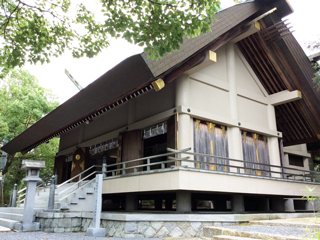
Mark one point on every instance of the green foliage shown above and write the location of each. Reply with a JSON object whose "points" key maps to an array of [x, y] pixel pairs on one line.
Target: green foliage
{"points": [[37, 30], [22, 103], [316, 77]]}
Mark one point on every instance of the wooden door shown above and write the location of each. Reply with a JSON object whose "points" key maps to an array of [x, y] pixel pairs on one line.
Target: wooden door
{"points": [[132, 148], [78, 163]]}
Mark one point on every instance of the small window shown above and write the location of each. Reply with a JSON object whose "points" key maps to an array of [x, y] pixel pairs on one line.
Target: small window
{"points": [[296, 160]]}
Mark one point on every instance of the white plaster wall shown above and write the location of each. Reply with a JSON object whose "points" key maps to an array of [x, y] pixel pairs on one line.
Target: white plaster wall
{"points": [[209, 93], [209, 99], [252, 114], [246, 80]]}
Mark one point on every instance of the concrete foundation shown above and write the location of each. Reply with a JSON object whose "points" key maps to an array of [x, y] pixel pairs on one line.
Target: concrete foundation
{"points": [[238, 204], [289, 205], [142, 225], [183, 201], [131, 202]]}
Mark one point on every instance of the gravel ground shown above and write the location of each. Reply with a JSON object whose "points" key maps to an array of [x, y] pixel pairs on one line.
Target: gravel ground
{"points": [[278, 230], [52, 236]]}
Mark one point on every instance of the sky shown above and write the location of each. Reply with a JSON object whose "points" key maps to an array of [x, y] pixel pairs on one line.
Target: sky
{"points": [[304, 21]]}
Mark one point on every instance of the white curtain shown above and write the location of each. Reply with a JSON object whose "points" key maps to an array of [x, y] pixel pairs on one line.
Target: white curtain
{"points": [[210, 139], [255, 151]]}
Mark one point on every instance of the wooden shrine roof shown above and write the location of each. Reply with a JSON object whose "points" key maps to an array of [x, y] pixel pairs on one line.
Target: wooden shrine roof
{"points": [[271, 63]]}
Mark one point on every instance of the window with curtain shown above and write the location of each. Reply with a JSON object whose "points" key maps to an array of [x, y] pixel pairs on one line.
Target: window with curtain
{"points": [[255, 153], [210, 140]]}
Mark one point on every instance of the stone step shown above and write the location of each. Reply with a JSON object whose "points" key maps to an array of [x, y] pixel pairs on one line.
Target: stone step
{"points": [[4, 229], [8, 223], [11, 210], [211, 231], [81, 196], [11, 216], [89, 190], [226, 237]]}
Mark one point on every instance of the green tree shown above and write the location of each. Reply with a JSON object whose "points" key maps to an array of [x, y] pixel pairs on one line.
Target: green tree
{"points": [[22, 103], [34, 31], [316, 78]]}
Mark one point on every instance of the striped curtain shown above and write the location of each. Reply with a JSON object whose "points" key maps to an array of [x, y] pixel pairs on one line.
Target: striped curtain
{"points": [[255, 151], [210, 139]]}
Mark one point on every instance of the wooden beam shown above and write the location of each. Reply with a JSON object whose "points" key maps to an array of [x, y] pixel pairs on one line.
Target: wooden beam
{"points": [[209, 58], [284, 97], [254, 27]]}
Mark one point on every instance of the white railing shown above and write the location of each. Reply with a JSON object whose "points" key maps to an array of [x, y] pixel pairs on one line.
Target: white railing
{"points": [[172, 160], [186, 159]]}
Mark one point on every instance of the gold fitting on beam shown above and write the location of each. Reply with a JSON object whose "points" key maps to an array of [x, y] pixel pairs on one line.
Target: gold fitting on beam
{"points": [[158, 84], [212, 56], [257, 26]]}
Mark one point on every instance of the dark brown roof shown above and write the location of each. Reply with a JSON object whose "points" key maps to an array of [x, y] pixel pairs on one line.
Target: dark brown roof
{"points": [[224, 21], [137, 72], [129, 75], [119, 81]]}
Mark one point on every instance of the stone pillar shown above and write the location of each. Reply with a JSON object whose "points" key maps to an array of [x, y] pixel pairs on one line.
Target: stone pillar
{"points": [[131, 202], [289, 205], [317, 204], [183, 201], [28, 213], [14, 196], [185, 122], [95, 230], [1, 185], [32, 178], [238, 203], [273, 143], [52, 193], [234, 133]]}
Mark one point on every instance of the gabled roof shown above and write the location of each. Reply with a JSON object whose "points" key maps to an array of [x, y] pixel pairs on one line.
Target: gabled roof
{"points": [[134, 75], [280, 64]]}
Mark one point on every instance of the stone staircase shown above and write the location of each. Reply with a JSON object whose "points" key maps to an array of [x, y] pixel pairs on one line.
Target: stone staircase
{"points": [[76, 197], [10, 217], [69, 196]]}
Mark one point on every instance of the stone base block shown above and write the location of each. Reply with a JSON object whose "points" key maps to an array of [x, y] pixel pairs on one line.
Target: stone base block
{"points": [[30, 227], [96, 232]]}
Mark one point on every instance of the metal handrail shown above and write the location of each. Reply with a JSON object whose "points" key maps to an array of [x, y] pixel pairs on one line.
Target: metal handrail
{"points": [[77, 183], [151, 157], [82, 186], [76, 176], [271, 169]]}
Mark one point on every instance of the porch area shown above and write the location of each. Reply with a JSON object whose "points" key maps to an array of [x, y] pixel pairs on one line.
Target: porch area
{"points": [[185, 181]]}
